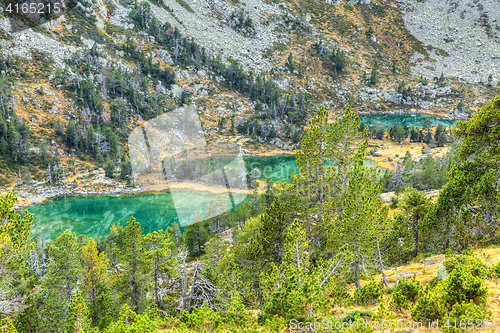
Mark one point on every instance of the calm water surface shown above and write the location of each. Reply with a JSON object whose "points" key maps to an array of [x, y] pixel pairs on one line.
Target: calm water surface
{"points": [[406, 119], [94, 215]]}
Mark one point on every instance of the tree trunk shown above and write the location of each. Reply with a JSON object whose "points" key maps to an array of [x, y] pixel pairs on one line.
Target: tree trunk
{"points": [[68, 290], [135, 287], [416, 236], [193, 289], [384, 278], [279, 249], [184, 285], [157, 292], [356, 274]]}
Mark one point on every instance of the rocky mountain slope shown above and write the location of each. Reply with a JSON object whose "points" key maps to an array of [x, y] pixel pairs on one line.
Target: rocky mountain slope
{"points": [[255, 70], [467, 31]]}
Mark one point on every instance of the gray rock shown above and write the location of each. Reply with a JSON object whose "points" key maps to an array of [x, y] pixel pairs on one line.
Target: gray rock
{"points": [[221, 110], [176, 91], [161, 89], [432, 262], [99, 23], [442, 273], [406, 274]]}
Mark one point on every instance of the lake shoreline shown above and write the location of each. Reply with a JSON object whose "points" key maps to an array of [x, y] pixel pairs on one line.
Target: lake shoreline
{"points": [[40, 193], [409, 113], [57, 192]]}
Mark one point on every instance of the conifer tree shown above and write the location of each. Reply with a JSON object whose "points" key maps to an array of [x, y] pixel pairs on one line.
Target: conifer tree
{"points": [[268, 245], [415, 207], [215, 250], [353, 229], [237, 315], [78, 320], [407, 162], [134, 279], [468, 205], [70, 132], [62, 277], [196, 234], [160, 258], [96, 276], [14, 249], [131, 322]]}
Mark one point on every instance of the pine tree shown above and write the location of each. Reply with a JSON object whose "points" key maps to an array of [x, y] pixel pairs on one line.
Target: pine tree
{"points": [[96, 276], [374, 77], [408, 162], [131, 322], [339, 60], [70, 133], [196, 234], [442, 139], [110, 169], [353, 229], [215, 250], [468, 205], [134, 279], [311, 185], [268, 245], [77, 320], [160, 258], [415, 207], [106, 307], [237, 315], [14, 248], [62, 277]]}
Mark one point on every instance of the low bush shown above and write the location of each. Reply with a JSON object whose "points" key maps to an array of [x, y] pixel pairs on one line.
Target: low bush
{"points": [[368, 294], [466, 261], [462, 315], [351, 316], [459, 287], [405, 292], [341, 297]]}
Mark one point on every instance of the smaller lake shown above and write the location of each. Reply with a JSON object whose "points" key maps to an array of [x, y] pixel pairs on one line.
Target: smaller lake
{"points": [[405, 119]]}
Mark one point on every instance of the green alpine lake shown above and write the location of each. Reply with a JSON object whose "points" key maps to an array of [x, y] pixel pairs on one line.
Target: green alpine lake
{"points": [[94, 215], [405, 119]]}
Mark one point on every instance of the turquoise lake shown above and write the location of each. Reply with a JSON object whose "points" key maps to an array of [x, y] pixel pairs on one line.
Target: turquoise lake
{"points": [[94, 215], [405, 119]]}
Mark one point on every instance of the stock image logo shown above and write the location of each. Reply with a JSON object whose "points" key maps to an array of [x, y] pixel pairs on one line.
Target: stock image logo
{"points": [[171, 152]]}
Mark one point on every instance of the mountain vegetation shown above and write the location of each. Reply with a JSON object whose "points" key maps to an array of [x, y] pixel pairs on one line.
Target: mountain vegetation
{"points": [[298, 251]]}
